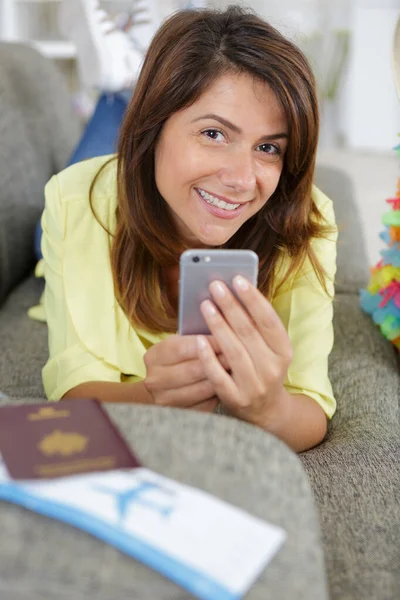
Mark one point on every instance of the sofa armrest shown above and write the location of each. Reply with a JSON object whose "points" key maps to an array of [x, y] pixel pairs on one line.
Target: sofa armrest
{"points": [[355, 476], [38, 131], [355, 472], [363, 367]]}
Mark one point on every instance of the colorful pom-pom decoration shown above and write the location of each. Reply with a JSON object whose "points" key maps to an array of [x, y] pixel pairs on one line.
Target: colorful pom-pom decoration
{"points": [[381, 299]]}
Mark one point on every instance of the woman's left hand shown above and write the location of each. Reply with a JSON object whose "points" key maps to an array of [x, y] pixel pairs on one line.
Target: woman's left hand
{"points": [[256, 346]]}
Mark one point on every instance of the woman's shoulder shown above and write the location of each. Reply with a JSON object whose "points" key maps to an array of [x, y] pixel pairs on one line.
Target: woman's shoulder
{"points": [[74, 182], [70, 196], [324, 247], [323, 203]]}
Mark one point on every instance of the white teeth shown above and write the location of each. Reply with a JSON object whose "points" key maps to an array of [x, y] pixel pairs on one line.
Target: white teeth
{"points": [[215, 202]]}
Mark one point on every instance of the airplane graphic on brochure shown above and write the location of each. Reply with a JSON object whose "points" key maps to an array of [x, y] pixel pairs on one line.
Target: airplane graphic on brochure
{"points": [[137, 495]]}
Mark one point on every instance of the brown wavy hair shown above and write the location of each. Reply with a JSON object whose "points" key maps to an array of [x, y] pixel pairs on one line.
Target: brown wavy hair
{"points": [[190, 51]]}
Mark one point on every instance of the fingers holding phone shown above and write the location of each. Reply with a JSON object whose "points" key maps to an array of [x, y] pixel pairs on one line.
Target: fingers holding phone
{"points": [[175, 375]]}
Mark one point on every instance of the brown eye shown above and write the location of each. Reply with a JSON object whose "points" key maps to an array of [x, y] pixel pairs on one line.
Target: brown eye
{"points": [[270, 149], [213, 134]]}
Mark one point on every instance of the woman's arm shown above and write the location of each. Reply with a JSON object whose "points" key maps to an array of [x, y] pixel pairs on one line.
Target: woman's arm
{"points": [[297, 420], [134, 393], [109, 391]]}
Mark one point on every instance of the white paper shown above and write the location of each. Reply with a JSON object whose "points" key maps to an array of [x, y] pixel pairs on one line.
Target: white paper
{"points": [[210, 547]]}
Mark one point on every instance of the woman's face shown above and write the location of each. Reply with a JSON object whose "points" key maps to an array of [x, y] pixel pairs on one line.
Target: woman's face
{"points": [[218, 161]]}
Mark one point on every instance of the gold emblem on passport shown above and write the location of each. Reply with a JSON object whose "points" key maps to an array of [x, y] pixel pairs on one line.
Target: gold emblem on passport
{"points": [[63, 443]]}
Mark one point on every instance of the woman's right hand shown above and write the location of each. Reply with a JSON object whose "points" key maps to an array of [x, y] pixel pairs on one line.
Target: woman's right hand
{"points": [[175, 375]]}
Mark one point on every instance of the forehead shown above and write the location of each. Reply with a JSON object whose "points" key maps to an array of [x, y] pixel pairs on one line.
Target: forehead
{"points": [[241, 98]]}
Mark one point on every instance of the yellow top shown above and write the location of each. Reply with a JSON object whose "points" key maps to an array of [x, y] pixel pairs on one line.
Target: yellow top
{"points": [[91, 339]]}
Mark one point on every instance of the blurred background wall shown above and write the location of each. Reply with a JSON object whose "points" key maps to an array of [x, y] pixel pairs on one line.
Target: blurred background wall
{"points": [[348, 42]]}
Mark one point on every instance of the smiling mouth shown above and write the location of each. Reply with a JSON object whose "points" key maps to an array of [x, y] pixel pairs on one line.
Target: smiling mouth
{"points": [[210, 199]]}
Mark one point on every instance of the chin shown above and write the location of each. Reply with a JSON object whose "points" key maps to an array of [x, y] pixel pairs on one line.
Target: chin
{"points": [[212, 241], [213, 236]]}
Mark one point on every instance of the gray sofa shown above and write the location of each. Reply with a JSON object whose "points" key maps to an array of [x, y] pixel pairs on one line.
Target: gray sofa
{"points": [[340, 500]]}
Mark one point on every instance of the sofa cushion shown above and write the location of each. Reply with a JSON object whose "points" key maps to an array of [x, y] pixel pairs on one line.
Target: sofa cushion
{"points": [[38, 132], [363, 366], [355, 476], [24, 348]]}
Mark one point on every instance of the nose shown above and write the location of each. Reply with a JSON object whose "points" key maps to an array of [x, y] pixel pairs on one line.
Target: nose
{"points": [[238, 171]]}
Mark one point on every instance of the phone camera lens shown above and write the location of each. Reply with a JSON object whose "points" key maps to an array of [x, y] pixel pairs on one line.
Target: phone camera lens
{"points": [[196, 259]]}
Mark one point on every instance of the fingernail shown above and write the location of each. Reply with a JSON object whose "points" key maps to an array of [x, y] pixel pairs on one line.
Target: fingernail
{"points": [[241, 283], [201, 343], [217, 289], [208, 308]]}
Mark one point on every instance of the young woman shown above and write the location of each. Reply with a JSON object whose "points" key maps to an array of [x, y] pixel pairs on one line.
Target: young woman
{"points": [[217, 149]]}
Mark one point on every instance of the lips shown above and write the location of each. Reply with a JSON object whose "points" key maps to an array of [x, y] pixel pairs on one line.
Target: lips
{"points": [[221, 212], [217, 197]]}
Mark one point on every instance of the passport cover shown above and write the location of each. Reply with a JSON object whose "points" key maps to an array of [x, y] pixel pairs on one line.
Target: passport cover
{"points": [[43, 441]]}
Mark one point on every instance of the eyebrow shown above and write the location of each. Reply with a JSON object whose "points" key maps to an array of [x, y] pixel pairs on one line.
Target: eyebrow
{"points": [[236, 129]]}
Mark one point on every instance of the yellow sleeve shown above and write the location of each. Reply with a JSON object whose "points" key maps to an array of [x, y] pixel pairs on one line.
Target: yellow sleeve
{"points": [[307, 312], [70, 363]]}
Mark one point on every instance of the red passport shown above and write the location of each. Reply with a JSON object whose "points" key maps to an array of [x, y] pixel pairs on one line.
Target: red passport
{"points": [[42, 441]]}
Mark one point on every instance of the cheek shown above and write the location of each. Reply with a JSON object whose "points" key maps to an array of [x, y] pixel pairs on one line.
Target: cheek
{"points": [[277, 176], [270, 181], [165, 173], [177, 168]]}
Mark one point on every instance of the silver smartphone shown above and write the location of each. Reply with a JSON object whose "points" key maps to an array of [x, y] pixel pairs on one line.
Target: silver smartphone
{"points": [[198, 268]]}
